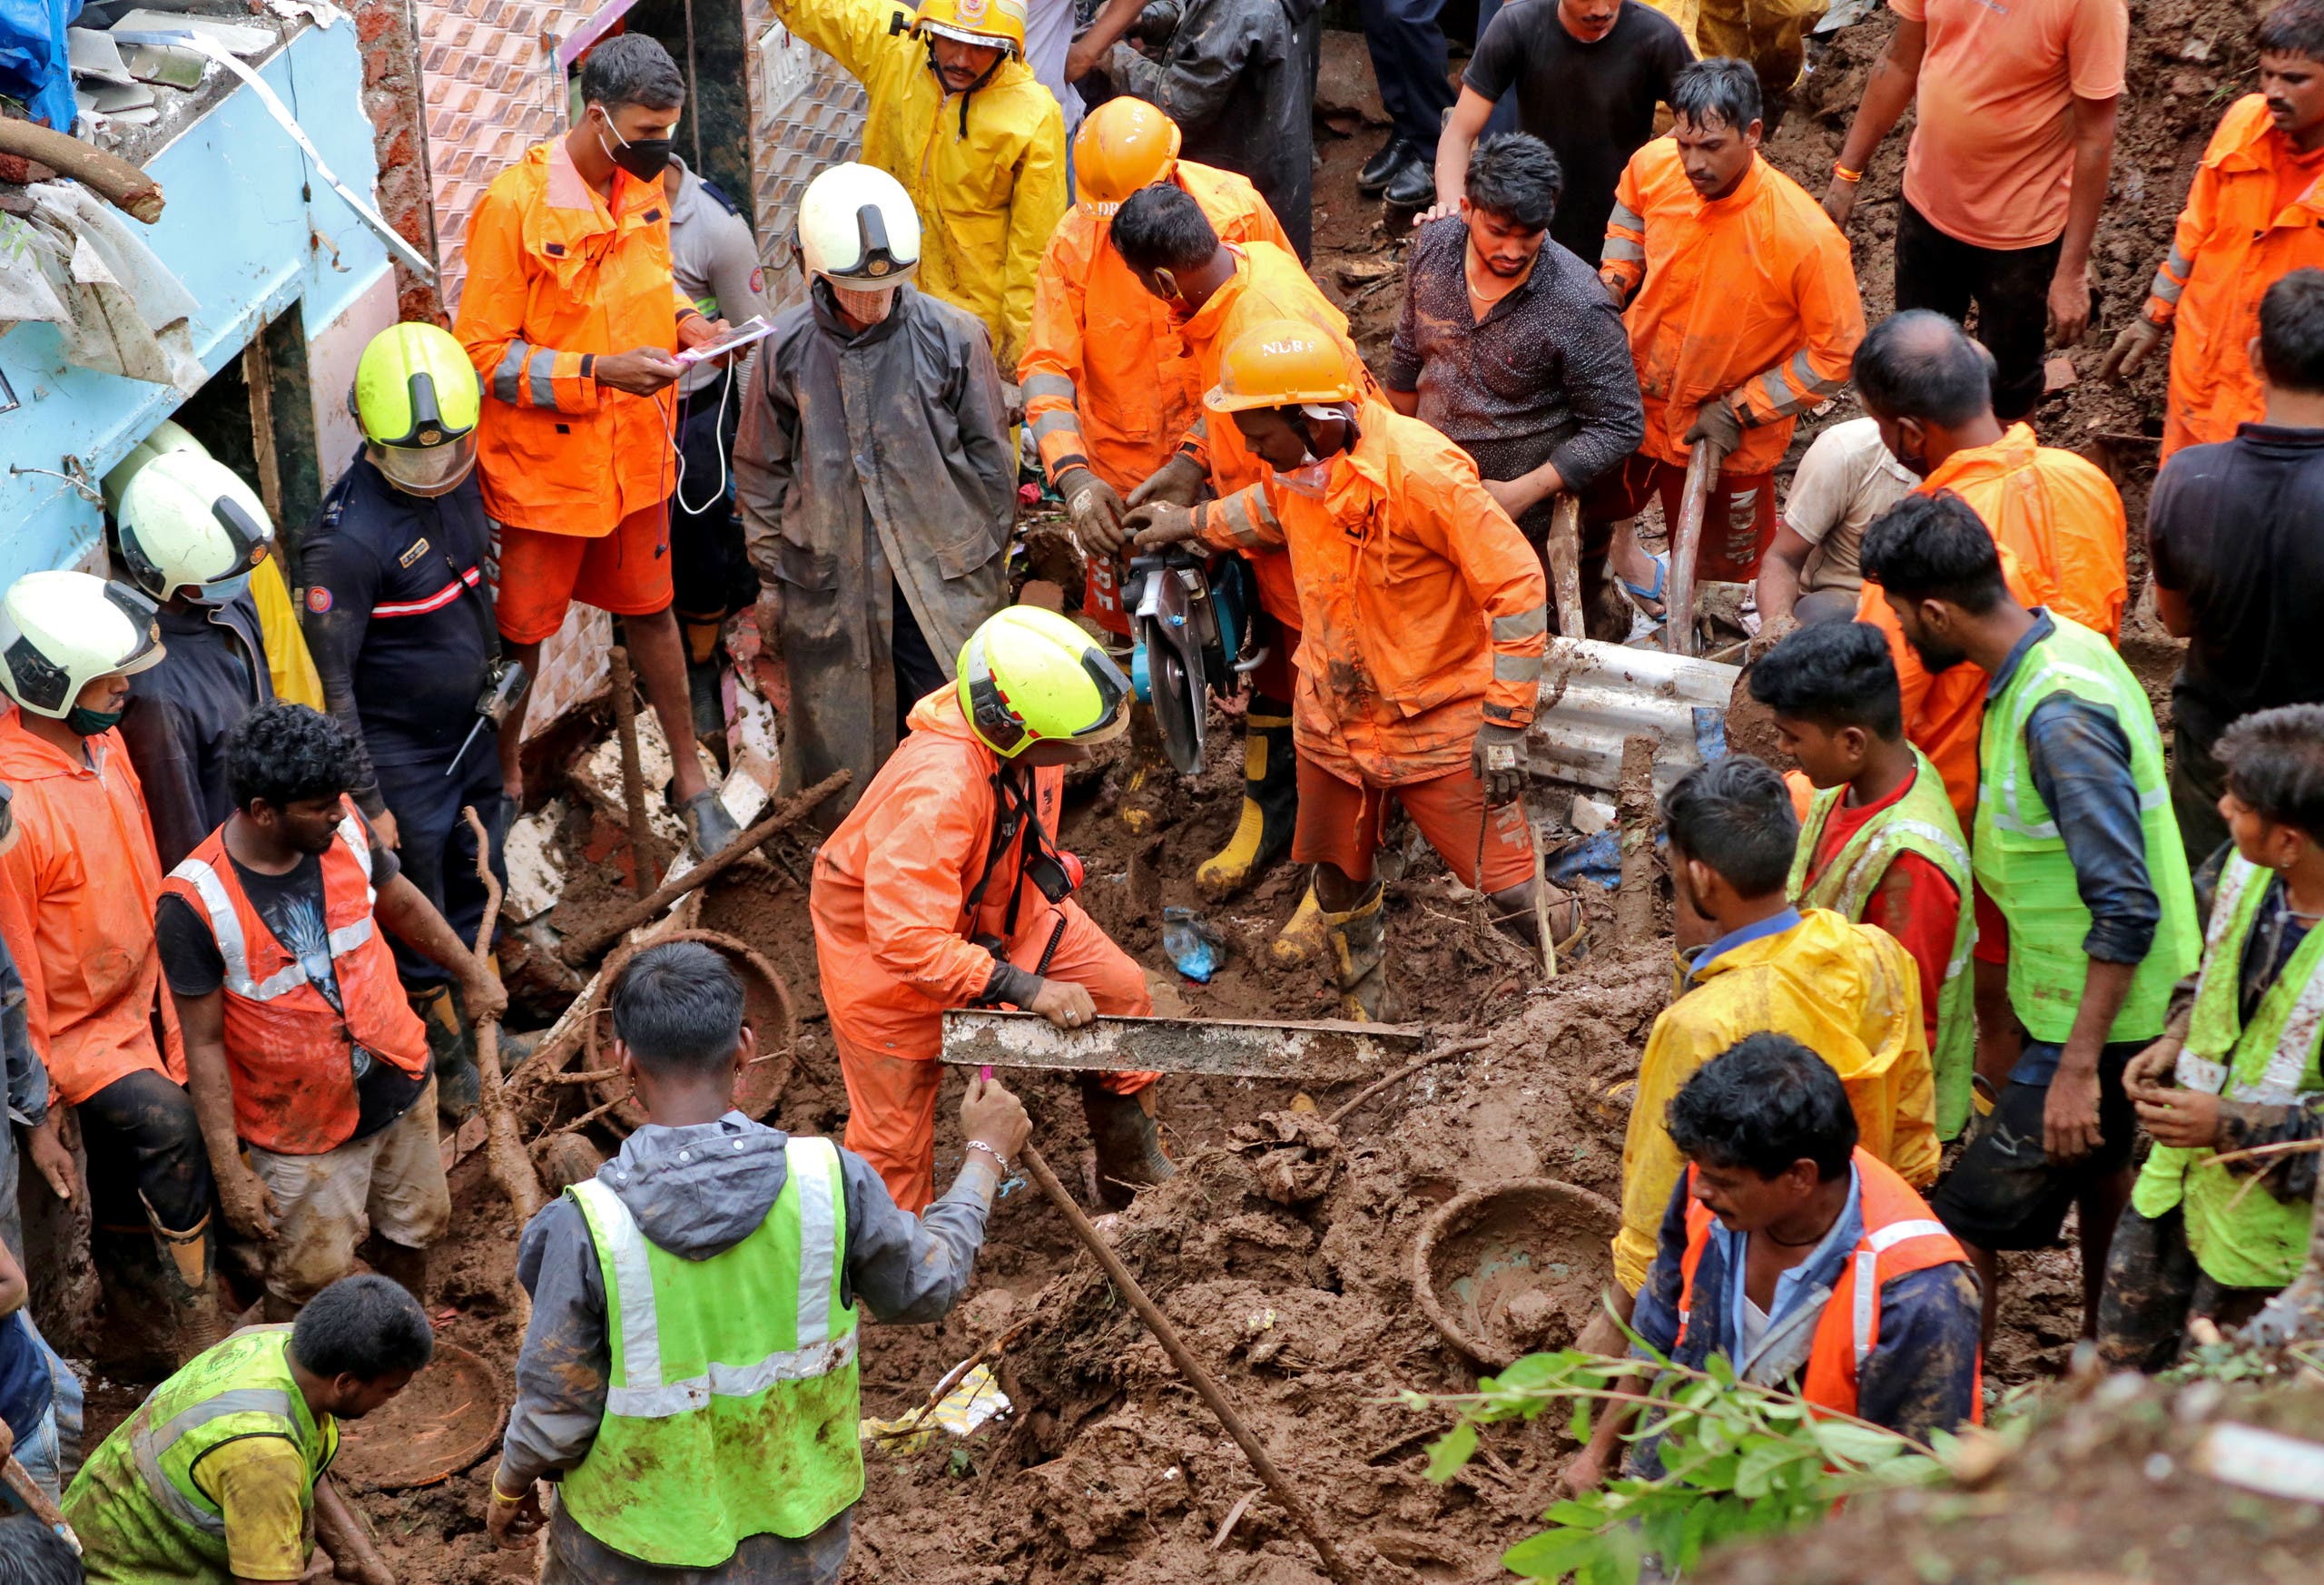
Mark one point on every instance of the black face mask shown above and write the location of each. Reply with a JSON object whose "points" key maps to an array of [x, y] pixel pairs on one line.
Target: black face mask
{"points": [[644, 158]]}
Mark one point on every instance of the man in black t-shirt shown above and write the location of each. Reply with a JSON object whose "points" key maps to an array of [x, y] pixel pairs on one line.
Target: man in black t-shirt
{"points": [[300, 1047], [2235, 536], [1587, 75]]}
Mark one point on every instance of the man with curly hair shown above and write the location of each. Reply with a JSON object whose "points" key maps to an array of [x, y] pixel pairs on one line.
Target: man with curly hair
{"points": [[299, 1044]]}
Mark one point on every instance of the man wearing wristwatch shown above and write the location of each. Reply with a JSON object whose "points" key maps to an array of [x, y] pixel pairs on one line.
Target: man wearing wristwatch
{"points": [[689, 1379]]}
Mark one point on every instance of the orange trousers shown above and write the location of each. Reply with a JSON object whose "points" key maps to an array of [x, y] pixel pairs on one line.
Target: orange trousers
{"points": [[892, 1079]]}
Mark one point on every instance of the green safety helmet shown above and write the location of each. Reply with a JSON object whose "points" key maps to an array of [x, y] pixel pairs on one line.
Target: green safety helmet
{"points": [[418, 399], [1030, 674]]}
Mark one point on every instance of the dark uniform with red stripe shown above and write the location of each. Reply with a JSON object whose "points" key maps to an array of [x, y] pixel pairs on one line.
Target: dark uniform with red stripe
{"points": [[398, 618]]}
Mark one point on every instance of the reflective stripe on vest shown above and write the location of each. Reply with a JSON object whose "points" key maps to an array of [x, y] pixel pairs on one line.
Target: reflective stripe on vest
{"points": [[149, 1445], [226, 925], [644, 1395], [1877, 1242], [1912, 824]]}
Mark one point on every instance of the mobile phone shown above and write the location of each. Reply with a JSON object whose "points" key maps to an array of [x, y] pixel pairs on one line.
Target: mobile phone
{"points": [[736, 336]]}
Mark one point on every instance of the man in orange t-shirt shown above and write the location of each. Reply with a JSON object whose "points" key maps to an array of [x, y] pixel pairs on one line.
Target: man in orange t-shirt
{"points": [[2057, 519], [2013, 142]]}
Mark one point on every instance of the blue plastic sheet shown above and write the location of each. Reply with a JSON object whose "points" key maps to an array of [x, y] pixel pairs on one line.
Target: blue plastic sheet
{"points": [[33, 66]]}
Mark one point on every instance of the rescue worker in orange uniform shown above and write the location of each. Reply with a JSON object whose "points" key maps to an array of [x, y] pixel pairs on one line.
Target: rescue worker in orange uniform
{"points": [[318, 1069], [944, 888], [2057, 517], [1108, 387], [1778, 1220], [960, 119], [571, 316], [2253, 216], [1213, 292], [1747, 317], [1425, 624], [77, 889]]}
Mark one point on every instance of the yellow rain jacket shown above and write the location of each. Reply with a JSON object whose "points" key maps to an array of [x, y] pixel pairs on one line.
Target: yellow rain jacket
{"points": [[1848, 993], [987, 175]]}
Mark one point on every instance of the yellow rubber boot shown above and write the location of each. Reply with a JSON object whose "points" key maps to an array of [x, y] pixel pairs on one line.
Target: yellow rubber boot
{"points": [[1303, 936], [1359, 940], [1270, 803]]}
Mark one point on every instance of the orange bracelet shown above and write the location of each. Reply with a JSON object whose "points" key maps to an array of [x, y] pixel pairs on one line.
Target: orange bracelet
{"points": [[1846, 175]]}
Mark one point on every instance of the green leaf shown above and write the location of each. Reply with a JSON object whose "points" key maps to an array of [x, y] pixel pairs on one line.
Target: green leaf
{"points": [[1553, 1554], [1576, 1513], [1448, 1452], [1763, 1457], [1533, 1373], [1577, 1426], [1847, 1442]]}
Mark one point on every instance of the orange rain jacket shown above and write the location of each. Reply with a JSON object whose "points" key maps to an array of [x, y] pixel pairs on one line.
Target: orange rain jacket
{"points": [[2060, 524], [1269, 283], [892, 929], [77, 893], [1753, 294], [987, 176], [1107, 382], [1423, 614], [555, 278], [2231, 244]]}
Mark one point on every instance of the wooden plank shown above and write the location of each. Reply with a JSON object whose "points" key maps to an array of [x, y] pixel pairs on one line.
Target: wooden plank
{"points": [[1324, 1052]]}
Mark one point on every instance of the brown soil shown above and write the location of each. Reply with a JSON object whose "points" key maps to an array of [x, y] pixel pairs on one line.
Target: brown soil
{"points": [[1282, 1249]]}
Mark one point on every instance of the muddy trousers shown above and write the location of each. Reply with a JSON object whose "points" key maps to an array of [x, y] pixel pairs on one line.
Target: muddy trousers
{"points": [[574, 1557], [2154, 1287], [893, 1074], [145, 1149]]}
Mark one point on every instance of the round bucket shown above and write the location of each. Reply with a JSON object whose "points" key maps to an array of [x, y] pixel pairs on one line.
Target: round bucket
{"points": [[1515, 1268], [446, 1421], [766, 1005]]}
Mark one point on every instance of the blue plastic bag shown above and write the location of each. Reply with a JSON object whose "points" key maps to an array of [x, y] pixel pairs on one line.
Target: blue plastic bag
{"points": [[33, 65]]}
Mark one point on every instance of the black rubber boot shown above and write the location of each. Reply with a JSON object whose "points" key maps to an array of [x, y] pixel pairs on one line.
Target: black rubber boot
{"points": [[458, 1086], [1270, 803], [1128, 1145]]}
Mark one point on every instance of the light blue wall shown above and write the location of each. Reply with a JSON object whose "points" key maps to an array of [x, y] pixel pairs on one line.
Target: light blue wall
{"points": [[237, 231]]}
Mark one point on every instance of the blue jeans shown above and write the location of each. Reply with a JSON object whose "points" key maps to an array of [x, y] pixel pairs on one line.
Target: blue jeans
{"points": [[49, 1447], [435, 848], [1504, 118]]}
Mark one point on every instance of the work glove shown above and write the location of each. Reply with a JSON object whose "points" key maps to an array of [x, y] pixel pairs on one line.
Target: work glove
{"points": [[1719, 423], [1499, 761], [2133, 346], [1178, 481], [1095, 508], [1159, 523]]}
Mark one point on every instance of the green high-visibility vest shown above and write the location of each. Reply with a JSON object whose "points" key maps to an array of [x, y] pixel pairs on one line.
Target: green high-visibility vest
{"points": [[1922, 822], [139, 1506], [2021, 860], [2244, 1236], [733, 1405]]}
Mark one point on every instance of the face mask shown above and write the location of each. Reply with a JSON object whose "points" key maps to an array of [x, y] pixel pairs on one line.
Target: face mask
{"points": [[1308, 478], [220, 591], [86, 722], [865, 308], [644, 158]]}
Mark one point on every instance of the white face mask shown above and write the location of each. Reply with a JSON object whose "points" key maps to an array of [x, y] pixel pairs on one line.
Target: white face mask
{"points": [[1308, 478], [865, 308]]}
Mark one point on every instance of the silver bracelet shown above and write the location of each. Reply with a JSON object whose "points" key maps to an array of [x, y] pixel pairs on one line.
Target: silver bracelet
{"points": [[1006, 1170]]}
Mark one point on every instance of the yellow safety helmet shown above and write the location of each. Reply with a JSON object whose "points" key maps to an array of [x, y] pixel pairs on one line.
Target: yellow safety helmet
{"points": [[1123, 146], [974, 22], [1280, 363], [418, 398], [1030, 674]]}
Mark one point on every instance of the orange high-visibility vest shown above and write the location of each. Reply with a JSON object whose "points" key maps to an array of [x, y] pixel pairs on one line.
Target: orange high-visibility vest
{"points": [[288, 1053], [1901, 1236]]}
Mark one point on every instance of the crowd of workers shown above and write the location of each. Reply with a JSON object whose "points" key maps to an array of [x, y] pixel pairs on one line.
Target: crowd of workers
{"points": [[1932, 985]]}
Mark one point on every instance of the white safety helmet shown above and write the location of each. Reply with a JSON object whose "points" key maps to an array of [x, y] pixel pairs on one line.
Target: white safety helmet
{"points": [[186, 521], [164, 438], [61, 631], [857, 229]]}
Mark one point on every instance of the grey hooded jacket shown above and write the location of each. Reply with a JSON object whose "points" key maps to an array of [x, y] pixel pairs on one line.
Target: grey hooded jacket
{"points": [[871, 461]]}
